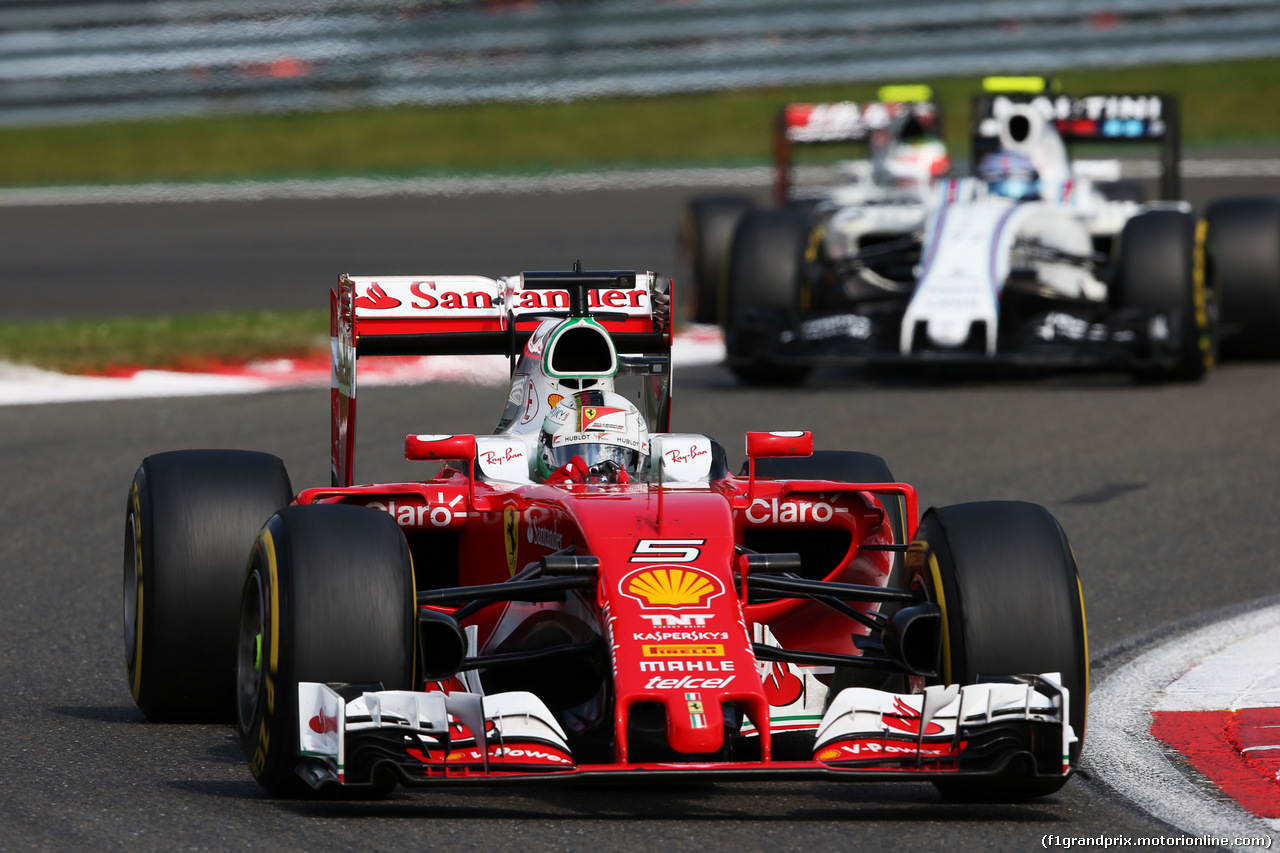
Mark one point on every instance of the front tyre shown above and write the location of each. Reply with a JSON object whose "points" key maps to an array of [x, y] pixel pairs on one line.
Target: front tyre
{"points": [[190, 521], [1005, 578], [328, 598]]}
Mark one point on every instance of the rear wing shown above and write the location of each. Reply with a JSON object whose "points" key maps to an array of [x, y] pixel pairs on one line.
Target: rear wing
{"points": [[474, 315], [825, 124], [1150, 119]]}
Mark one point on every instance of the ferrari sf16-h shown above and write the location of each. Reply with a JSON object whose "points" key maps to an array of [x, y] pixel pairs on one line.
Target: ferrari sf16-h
{"points": [[584, 593]]}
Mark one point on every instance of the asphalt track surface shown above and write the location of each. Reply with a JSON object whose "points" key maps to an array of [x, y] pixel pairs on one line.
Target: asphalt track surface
{"points": [[1168, 493]]}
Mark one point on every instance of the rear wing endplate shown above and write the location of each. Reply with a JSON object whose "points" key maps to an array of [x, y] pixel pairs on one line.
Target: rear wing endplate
{"points": [[826, 124]]}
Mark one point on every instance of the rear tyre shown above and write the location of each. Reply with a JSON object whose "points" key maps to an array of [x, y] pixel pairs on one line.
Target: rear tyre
{"points": [[190, 522], [765, 294], [1005, 578], [706, 231], [1160, 271], [329, 598], [1243, 248]]}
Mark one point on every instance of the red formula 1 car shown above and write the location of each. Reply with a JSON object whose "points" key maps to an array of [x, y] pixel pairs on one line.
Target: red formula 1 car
{"points": [[584, 593]]}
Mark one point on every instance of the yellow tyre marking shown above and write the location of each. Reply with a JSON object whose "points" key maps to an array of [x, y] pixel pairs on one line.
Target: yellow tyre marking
{"points": [[946, 625], [273, 663], [413, 611], [816, 236], [1084, 628], [1198, 297]]}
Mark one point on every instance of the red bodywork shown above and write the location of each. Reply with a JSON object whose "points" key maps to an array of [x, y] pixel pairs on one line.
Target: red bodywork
{"points": [[671, 589], [666, 598]]}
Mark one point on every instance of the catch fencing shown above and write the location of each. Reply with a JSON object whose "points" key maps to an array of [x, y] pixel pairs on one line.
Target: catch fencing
{"points": [[68, 61]]}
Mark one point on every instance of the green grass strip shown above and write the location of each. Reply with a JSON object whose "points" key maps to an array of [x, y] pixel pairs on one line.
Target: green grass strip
{"points": [[189, 342], [1223, 103], [1227, 103]]}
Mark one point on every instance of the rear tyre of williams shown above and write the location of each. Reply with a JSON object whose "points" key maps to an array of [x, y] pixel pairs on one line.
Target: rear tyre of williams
{"points": [[190, 522], [1160, 270], [1005, 578], [706, 230], [329, 598], [1244, 271], [764, 294]]}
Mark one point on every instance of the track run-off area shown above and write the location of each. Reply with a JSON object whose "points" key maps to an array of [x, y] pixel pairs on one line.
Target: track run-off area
{"points": [[1168, 493]]}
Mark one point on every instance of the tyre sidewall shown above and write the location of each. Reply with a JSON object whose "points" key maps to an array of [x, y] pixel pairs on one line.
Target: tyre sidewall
{"points": [[1161, 270], [336, 588], [269, 731], [1006, 580], [138, 616]]}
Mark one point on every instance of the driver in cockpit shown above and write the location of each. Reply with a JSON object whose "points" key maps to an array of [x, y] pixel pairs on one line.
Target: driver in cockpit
{"points": [[593, 437]]}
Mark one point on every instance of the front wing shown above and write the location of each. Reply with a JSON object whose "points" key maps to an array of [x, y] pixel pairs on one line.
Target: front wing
{"points": [[977, 730], [1063, 338]]}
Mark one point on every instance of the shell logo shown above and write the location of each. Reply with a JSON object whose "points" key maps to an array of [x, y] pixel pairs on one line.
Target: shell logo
{"points": [[827, 755], [671, 587]]}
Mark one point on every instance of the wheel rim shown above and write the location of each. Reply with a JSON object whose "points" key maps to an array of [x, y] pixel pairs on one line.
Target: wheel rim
{"points": [[249, 652], [132, 582]]}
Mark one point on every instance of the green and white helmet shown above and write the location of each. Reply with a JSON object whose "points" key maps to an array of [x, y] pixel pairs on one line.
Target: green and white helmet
{"points": [[602, 428]]}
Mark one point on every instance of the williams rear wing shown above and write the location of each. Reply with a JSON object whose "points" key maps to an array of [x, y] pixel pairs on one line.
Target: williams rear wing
{"points": [[826, 124], [1115, 119], [474, 315]]}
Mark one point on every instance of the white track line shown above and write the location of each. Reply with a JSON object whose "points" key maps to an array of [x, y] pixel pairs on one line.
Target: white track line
{"points": [[386, 187], [1121, 752], [556, 182]]}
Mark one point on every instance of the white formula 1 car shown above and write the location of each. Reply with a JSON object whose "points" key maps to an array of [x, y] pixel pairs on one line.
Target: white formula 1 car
{"points": [[1037, 261]]}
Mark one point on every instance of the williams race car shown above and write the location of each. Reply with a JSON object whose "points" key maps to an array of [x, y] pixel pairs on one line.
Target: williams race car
{"points": [[905, 155], [585, 594], [1036, 262]]}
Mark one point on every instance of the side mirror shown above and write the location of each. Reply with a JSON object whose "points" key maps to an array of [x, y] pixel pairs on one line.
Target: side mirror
{"points": [[426, 448], [784, 443], [780, 443]]}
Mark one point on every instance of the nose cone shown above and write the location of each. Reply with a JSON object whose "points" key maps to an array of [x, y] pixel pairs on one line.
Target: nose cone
{"points": [[948, 331]]}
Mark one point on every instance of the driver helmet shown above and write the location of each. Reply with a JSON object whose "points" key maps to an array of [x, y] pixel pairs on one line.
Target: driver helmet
{"points": [[1010, 174], [915, 156], [601, 428]]}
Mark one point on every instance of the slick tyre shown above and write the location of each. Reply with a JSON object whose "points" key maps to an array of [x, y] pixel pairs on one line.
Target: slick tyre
{"points": [[1161, 270], [190, 522], [329, 598], [707, 224], [1005, 578], [1243, 264], [764, 294]]}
